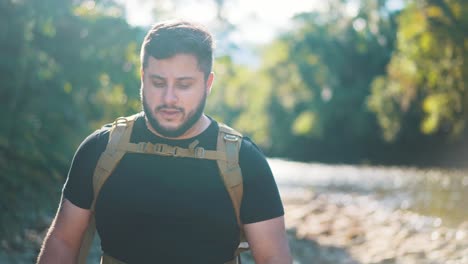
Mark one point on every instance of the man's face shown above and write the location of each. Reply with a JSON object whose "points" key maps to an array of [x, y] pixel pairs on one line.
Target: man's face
{"points": [[173, 94]]}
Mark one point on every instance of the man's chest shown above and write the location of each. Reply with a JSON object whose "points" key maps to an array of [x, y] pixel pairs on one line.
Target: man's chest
{"points": [[160, 188]]}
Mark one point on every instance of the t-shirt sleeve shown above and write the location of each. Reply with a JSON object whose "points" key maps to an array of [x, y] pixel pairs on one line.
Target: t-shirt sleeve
{"points": [[78, 188], [261, 200]]}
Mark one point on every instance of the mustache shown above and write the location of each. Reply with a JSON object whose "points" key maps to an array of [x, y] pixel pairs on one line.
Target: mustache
{"points": [[166, 107]]}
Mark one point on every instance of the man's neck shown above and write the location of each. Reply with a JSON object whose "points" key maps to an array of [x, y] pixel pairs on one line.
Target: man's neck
{"points": [[201, 125]]}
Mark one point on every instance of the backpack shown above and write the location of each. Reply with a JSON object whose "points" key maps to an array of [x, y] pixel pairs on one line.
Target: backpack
{"points": [[226, 156]]}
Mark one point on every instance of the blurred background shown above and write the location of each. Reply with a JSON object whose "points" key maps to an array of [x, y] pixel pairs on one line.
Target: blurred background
{"points": [[360, 83]]}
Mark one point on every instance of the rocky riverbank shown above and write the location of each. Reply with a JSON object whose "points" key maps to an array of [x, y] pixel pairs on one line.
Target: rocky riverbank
{"points": [[346, 228]]}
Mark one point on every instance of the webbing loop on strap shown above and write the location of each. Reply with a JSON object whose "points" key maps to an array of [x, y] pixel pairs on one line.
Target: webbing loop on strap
{"points": [[193, 144], [121, 120], [232, 149], [232, 138]]}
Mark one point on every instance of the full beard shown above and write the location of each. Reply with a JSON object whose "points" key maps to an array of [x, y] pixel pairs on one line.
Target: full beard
{"points": [[192, 118]]}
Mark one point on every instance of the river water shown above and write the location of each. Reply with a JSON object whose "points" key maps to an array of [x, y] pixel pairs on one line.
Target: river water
{"points": [[435, 193]]}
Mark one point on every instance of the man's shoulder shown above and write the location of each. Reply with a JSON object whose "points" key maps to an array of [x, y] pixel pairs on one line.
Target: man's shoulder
{"points": [[96, 139], [247, 144], [224, 127], [101, 135], [107, 127], [228, 129]]}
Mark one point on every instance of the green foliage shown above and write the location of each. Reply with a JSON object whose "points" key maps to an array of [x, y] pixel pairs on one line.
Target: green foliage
{"points": [[304, 124], [427, 74], [320, 74], [238, 101], [62, 75]]}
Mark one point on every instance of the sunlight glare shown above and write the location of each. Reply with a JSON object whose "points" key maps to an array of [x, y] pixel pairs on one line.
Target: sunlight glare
{"points": [[257, 22]]}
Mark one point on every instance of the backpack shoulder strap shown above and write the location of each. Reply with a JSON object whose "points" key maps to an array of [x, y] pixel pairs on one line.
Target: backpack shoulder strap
{"points": [[119, 136], [229, 141]]}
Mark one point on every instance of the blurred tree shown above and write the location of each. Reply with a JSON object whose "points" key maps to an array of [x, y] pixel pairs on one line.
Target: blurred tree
{"points": [[66, 66], [425, 86], [321, 73], [239, 98]]}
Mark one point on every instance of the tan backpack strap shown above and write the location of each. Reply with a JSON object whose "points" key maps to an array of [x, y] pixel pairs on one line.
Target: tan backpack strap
{"points": [[119, 137], [230, 170], [120, 133], [229, 141], [174, 151], [106, 259], [87, 240], [236, 260]]}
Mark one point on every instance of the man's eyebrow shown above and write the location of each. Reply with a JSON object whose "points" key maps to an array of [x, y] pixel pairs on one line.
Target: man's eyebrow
{"points": [[155, 76], [185, 78]]}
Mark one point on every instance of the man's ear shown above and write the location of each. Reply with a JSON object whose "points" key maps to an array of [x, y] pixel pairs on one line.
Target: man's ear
{"points": [[209, 82]]}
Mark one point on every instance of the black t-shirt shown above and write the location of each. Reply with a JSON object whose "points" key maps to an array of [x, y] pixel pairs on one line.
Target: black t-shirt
{"points": [[170, 209]]}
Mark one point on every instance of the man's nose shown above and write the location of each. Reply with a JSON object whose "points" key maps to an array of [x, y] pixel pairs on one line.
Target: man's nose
{"points": [[170, 96]]}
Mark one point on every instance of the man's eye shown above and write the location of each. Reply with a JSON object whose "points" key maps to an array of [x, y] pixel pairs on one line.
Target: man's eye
{"points": [[159, 84], [184, 86]]}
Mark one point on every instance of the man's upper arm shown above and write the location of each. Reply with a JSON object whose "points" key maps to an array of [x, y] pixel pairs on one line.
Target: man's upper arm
{"points": [[268, 241], [65, 234], [261, 200], [63, 241], [262, 210], [78, 188], [70, 224]]}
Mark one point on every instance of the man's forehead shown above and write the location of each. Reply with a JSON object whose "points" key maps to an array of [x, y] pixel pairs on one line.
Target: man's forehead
{"points": [[177, 63], [178, 56]]}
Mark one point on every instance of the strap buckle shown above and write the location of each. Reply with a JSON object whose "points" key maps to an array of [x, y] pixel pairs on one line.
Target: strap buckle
{"points": [[200, 152], [165, 150], [142, 147]]}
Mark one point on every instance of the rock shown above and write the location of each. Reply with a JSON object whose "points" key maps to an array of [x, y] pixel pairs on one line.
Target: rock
{"points": [[463, 226]]}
